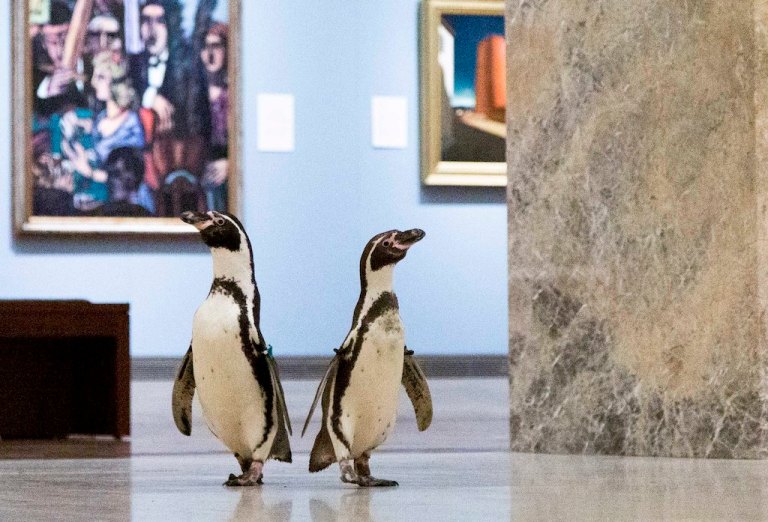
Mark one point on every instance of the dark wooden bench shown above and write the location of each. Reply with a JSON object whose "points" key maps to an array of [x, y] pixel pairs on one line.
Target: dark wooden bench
{"points": [[64, 369]]}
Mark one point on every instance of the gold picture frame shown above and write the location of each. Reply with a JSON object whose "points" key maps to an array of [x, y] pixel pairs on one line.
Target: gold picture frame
{"points": [[463, 133], [99, 149]]}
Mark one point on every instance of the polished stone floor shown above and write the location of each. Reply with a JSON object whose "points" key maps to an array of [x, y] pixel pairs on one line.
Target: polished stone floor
{"points": [[457, 470]]}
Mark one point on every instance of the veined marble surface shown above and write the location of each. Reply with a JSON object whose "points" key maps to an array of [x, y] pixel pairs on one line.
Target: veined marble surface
{"points": [[637, 227]]}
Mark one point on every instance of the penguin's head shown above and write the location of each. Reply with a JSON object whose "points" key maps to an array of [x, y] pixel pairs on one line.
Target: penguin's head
{"points": [[218, 229], [390, 247]]}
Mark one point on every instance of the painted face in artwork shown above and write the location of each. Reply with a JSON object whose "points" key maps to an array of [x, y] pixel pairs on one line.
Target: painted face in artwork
{"points": [[53, 41], [100, 82], [154, 30], [122, 181], [103, 34], [213, 54]]}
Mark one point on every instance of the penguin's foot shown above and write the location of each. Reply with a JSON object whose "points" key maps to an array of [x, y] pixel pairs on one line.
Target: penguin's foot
{"points": [[242, 480], [359, 472], [250, 477], [348, 473], [372, 482]]}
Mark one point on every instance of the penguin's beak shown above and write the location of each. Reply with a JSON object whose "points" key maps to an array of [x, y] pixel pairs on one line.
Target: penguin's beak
{"points": [[405, 240], [198, 220]]}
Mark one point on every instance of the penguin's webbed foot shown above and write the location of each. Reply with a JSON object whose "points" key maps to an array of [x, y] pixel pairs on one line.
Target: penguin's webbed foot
{"points": [[250, 477], [372, 482], [242, 480], [359, 473]]}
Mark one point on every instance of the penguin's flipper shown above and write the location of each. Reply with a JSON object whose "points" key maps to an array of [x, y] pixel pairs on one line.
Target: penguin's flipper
{"points": [[323, 454], [320, 391], [281, 447], [278, 387], [183, 391], [418, 390]]}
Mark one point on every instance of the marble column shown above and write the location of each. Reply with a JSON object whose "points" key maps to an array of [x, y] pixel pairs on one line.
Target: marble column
{"points": [[638, 261]]}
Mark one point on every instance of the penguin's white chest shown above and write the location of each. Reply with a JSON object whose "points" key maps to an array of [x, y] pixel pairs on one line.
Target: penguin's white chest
{"points": [[369, 406], [231, 399]]}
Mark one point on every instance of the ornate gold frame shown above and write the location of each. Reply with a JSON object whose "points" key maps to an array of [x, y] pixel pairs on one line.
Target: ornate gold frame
{"points": [[24, 223], [433, 170]]}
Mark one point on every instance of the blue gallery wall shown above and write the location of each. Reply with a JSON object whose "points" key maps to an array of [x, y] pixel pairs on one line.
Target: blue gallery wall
{"points": [[308, 212]]}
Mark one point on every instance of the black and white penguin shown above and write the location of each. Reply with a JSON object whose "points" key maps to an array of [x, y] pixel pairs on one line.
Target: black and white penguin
{"points": [[360, 389], [228, 362]]}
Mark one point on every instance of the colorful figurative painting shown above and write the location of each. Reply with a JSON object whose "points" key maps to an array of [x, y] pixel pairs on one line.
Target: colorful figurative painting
{"points": [[128, 108]]}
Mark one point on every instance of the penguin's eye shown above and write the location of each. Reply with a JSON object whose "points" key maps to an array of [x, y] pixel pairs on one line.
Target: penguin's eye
{"points": [[219, 221], [387, 243]]}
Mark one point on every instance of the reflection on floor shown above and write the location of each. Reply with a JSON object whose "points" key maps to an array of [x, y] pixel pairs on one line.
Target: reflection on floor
{"points": [[457, 470]]}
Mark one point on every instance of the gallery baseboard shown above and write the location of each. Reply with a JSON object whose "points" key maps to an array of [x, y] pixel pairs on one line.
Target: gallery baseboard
{"points": [[309, 367]]}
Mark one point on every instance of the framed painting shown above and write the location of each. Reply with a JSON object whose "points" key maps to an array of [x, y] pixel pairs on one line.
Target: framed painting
{"points": [[463, 93], [125, 114]]}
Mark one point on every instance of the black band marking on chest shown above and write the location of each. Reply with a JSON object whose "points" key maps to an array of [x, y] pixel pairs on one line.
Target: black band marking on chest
{"points": [[386, 302], [252, 348]]}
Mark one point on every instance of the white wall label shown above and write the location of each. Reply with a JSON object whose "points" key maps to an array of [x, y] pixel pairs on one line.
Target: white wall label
{"points": [[275, 122], [389, 122]]}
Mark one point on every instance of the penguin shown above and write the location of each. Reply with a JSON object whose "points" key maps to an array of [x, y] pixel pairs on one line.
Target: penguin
{"points": [[360, 389], [228, 362]]}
